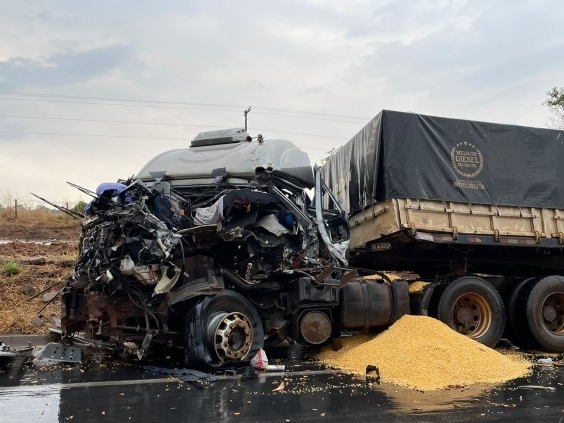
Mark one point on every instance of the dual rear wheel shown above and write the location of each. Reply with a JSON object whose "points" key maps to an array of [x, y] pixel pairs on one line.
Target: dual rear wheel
{"points": [[536, 313], [473, 307]]}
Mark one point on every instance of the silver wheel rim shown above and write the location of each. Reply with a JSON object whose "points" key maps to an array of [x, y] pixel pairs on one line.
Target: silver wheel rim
{"points": [[231, 335]]}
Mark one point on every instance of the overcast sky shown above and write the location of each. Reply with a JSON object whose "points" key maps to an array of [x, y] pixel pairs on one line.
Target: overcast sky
{"points": [[90, 91]]}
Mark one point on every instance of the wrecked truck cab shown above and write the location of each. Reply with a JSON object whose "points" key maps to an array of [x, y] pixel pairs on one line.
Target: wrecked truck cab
{"points": [[222, 171], [226, 153], [217, 250]]}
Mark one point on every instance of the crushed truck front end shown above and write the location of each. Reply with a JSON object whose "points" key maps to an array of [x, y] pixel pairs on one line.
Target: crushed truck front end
{"points": [[215, 261]]}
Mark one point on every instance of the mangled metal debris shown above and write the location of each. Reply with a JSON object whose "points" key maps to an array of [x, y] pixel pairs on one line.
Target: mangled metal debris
{"points": [[217, 262], [13, 358], [58, 352], [6, 353]]}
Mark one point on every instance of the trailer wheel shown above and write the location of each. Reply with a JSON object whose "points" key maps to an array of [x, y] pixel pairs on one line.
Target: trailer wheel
{"points": [[517, 317], [473, 307], [220, 329], [544, 312]]}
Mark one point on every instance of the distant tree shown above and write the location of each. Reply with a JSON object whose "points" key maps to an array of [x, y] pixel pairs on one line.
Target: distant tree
{"points": [[555, 103], [79, 207]]}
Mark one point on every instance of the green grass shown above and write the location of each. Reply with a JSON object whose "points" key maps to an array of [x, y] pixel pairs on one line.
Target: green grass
{"points": [[10, 268]]}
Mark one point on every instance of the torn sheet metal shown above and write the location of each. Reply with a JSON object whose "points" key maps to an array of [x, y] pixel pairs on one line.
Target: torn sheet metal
{"points": [[59, 352], [153, 255]]}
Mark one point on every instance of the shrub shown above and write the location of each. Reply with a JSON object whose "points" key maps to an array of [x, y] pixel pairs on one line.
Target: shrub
{"points": [[10, 268], [79, 207]]}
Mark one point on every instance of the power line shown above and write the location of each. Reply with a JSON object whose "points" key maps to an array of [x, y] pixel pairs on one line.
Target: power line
{"points": [[203, 106], [107, 121], [114, 121], [112, 104], [356, 122], [176, 108], [156, 138], [94, 135], [141, 123], [238, 106]]}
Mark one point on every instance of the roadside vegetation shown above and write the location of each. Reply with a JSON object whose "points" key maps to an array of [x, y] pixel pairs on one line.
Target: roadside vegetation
{"points": [[31, 208], [37, 254], [10, 267]]}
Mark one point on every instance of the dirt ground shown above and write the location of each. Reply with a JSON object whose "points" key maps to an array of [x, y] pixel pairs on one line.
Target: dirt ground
{"points": [[44, 248]]}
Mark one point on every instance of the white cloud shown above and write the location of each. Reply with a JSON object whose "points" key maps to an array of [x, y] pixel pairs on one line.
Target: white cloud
{"points": [[470, 59]]}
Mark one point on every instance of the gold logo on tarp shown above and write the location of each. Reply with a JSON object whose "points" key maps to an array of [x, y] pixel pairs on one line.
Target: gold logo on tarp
{"points": [[467, 159]]}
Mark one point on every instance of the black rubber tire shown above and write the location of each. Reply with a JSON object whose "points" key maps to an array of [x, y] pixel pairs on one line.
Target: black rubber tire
{"points": [[400, 292], [490, 300], [194, 352], [536, 309], [199, 351], [519, 332], [437, 291]]}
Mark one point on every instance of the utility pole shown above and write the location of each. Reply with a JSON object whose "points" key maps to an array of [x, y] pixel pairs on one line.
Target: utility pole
{"points": [[246, 112]]}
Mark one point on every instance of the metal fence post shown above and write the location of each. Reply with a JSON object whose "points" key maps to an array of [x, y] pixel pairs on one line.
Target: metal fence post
{"points": [[16, 208]]}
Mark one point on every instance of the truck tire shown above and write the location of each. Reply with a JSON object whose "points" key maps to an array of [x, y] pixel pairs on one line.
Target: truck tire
{"points": [[221, 329], [400, 293], [541, 306], [473, 307], [517, 318]]}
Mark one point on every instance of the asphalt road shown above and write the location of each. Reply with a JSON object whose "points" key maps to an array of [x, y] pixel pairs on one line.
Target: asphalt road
{"points": [[120, 393]]}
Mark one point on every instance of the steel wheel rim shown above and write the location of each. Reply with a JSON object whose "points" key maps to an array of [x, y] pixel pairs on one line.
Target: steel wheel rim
{"points": [[471, 315], [231, 335], [553, 313]]}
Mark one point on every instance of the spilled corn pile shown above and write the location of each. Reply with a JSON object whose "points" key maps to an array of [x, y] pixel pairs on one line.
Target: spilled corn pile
{"points": [[423, 353]]}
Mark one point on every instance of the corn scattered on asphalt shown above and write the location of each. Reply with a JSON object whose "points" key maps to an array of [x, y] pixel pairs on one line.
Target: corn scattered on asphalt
{"points": [[423, 353]]}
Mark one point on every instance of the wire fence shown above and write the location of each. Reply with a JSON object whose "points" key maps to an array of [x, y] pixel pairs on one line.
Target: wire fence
{"points": [[14, 208]]}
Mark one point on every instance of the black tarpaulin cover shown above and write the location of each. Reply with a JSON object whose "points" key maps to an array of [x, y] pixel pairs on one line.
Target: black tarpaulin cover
{"points": [[407, 155]]}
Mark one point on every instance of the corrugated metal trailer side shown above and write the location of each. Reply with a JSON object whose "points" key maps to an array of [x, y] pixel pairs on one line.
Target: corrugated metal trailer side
{"points": [[506, 224]]}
